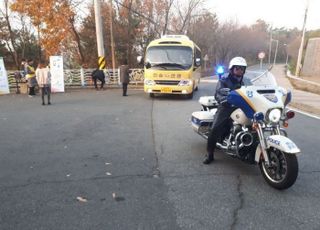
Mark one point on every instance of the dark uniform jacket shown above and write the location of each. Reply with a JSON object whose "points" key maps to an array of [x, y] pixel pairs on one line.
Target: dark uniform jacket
{"points": [[226, 82], [224, 108], [124, 74], [98, 74]]}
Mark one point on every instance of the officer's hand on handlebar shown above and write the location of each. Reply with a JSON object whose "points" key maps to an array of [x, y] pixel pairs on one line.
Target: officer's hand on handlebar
{"points": [[225, 91]]}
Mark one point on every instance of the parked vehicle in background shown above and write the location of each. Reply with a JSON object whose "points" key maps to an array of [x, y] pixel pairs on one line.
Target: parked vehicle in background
{"points": [[172, 65]]}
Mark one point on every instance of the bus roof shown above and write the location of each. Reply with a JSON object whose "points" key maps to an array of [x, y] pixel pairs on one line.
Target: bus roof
{"points": [[173, 40]]}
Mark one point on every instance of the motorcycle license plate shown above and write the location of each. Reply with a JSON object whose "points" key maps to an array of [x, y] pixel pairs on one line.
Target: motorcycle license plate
{"points": [[166, 90]]}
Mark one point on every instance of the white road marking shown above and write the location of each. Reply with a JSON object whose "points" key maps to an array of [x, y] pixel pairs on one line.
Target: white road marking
{"points": [[305, 113]]}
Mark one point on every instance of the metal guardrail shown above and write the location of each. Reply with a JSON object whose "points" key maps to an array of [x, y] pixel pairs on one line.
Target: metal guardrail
{"points": [[82, 77]]}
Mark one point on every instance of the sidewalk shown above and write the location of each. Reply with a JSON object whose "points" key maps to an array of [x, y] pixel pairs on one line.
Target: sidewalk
{"points": [[301, 100]]}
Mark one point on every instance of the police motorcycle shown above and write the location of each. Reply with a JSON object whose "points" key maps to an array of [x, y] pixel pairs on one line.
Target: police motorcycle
{"points": [[256, 135]]}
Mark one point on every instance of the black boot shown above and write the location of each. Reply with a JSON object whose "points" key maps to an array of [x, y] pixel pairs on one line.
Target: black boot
{"points": [[208, 159]]}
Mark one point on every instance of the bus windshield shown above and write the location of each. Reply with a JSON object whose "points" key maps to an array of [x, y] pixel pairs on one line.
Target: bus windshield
{"points": [[169, 57]]}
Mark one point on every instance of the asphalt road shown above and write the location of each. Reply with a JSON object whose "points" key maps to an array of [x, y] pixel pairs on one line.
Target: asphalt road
{"points": [[97, 160]]}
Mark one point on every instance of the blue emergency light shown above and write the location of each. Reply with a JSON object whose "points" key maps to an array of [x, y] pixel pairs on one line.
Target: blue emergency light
{"points": [[220, 70]]}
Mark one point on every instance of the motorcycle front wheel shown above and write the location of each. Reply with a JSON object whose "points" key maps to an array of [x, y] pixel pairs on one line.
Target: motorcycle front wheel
{"points": [[282, 171]]}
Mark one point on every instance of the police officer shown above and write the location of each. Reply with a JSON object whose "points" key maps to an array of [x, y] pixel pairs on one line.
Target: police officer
{"points": [[221, 121]]}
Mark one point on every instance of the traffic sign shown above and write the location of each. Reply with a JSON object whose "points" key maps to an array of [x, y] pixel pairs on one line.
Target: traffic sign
{"points": [[102, 62], [261, 55]]}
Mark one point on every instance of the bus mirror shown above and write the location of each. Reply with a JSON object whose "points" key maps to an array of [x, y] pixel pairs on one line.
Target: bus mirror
{"points": [[147, 65], [139, 59], [198, 62]]}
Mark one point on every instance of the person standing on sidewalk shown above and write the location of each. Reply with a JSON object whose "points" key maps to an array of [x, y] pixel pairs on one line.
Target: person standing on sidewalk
{"points": [[31, 77], [124, 77], [44, 81]]}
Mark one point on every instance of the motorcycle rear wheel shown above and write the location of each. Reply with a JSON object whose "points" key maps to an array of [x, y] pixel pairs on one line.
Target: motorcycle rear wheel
{"points": [[283, 169]]}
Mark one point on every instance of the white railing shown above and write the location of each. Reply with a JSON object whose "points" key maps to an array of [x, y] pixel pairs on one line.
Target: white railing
{"points": [[82, 77]]}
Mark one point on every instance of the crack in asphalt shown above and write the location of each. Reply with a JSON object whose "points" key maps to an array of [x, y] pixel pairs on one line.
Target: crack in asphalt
{"points": [[155, 168], [146, 176], [236, 211], [309, 172]]}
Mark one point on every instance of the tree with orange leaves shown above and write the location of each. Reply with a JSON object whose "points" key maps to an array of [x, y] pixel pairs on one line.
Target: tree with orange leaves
{"points": [[53, 20]]}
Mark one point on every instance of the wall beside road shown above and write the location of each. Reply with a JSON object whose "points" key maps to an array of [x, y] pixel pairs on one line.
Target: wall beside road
{"points": [[311, 65], [304, 85]]}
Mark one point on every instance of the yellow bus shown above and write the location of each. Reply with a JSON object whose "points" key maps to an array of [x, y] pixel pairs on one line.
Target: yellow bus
{"points": [[172, 66]]}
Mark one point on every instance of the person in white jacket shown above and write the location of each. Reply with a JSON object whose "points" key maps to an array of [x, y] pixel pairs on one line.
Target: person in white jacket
{"points": [[44, 81]]}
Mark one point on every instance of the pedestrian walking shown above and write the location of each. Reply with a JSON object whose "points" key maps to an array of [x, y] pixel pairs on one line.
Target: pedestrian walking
{"points": [[44, 81], [124, 77], [31, 77]]}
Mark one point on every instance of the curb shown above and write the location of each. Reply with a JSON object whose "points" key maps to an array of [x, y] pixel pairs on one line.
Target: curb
{"points": [[305, 108]]}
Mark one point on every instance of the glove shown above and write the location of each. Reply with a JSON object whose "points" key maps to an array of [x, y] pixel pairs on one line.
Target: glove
{"points": [[224, 91]]}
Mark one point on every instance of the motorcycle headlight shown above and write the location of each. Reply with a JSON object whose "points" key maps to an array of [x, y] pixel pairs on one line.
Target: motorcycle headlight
{"points": [[274, 115], [149, 82], [185, 82]]}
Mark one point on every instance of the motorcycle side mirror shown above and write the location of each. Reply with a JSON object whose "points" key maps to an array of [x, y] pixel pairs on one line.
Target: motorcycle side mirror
{"points": [[147, 65], [198, 62]]}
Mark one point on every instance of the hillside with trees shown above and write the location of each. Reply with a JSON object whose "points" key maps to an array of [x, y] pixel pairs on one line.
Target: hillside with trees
{"points": [[37, 29]]}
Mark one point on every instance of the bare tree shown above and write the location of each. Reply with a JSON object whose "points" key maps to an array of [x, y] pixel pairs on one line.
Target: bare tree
{"points": [[185, 14], [168, 4]]}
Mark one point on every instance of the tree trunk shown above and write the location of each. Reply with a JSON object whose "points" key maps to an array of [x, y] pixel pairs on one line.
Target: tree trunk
{"points": [[12, 40], [129, 43], [78, 41]]}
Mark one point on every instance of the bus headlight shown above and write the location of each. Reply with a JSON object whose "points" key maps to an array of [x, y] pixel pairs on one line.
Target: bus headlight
{"points": [[274, 115], [185, 82], [149, 82]]}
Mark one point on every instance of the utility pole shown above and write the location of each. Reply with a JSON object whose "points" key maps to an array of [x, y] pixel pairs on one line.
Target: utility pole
{"points": [[276, 52], [270, 44], [112, 41], [287, 55], [97, 14], [298, 67]]}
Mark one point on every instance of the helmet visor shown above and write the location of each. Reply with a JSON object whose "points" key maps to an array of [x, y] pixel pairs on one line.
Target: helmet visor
{"points": [[239, 67]]}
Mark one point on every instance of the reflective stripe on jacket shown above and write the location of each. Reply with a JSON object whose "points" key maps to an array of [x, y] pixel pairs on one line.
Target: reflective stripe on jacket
{"points": [[30, 72]]}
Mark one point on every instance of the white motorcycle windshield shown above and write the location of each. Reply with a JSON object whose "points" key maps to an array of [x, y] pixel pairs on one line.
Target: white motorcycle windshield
{"points": [[259, 79]]}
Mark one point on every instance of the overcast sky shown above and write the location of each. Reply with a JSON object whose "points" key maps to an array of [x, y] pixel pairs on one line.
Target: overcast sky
{"points": [[279, 13]]}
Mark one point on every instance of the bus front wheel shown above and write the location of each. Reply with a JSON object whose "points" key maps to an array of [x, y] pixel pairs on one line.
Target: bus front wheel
{"points": [[190, 96]]}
